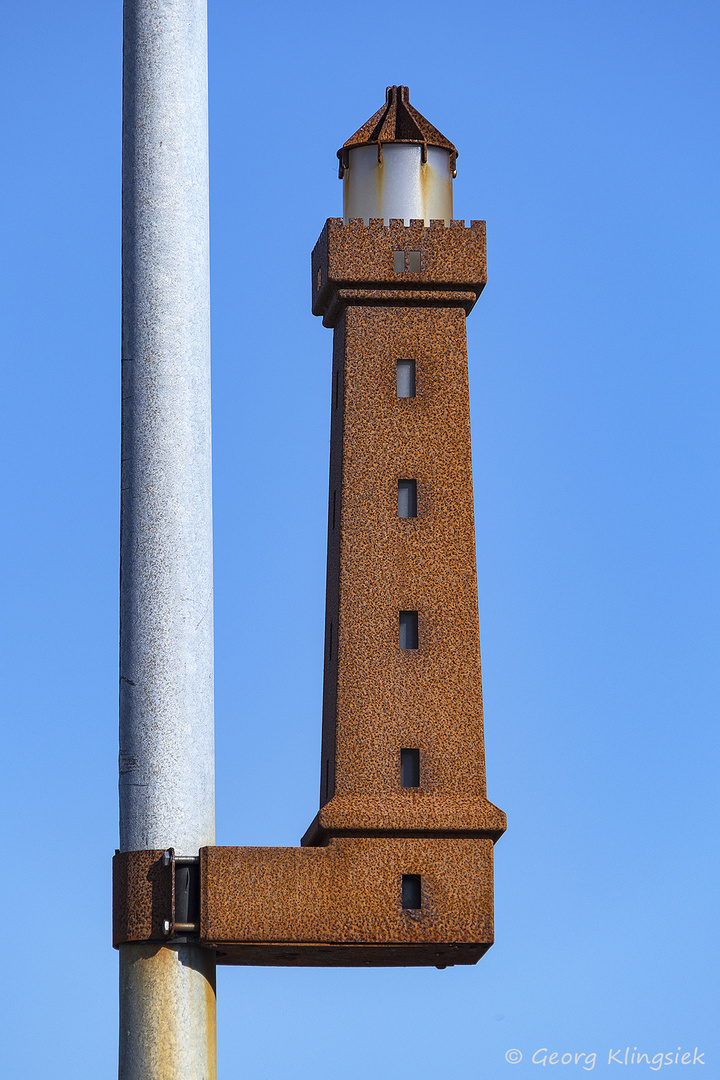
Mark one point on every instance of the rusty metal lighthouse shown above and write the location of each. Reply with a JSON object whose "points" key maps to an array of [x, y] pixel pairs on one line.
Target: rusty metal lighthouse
{"points": [[403, 753], [396, 867]]}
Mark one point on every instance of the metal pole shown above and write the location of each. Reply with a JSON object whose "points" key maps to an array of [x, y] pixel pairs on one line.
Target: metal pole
{"points": [[167, 993]]}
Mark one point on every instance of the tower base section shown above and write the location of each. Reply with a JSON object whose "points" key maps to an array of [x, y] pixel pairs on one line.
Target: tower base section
{"points": [[380, 901]]}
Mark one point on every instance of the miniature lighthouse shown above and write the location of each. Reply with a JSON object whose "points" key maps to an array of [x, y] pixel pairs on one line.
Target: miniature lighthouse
{"points": [[403, 752], [396, 868]]}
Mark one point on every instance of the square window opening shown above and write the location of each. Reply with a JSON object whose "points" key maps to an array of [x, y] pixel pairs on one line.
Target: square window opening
{"points": [[406, 378], [408, 630], [411, 892], [410, 768], [407, 498]]}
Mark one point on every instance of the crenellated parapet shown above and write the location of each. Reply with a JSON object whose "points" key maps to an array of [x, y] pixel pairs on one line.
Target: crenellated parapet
{"points": [[375, 263]]}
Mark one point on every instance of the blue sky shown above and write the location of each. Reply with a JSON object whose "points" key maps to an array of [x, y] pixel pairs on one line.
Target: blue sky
{"points": [[588, 140]]}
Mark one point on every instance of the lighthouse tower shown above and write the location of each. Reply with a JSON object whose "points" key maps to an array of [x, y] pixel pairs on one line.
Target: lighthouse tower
{"points": [[396, 868], [402, 751]]}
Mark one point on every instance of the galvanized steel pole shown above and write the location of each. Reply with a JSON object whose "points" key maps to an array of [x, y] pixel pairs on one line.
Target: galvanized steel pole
{"points": [[167, 993]]}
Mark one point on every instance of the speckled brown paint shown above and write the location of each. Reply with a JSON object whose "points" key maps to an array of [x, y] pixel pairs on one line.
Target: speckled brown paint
{"points": [[337, 900], [353, 265], [380, 698], [142, 896], [349, 894]]}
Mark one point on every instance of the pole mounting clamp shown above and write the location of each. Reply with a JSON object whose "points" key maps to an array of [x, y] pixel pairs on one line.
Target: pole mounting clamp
{"points": [[156, 896]]}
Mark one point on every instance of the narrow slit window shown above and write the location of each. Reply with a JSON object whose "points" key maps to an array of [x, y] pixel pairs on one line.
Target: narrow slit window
{"points": [[407, 498], [414, 266], [409, 768], [411, 892], [406, 378], [399, 262], [408, 637]]}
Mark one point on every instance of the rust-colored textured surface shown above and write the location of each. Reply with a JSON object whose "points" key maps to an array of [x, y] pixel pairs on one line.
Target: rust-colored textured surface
{"points": [[397, 121], [379, 698], [347, 894], [142, 896], [338, 905], [336, 901], [354, 264]]}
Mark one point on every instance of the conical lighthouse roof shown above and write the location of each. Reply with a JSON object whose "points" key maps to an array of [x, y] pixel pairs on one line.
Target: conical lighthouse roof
{"points": [[397, 122]]}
